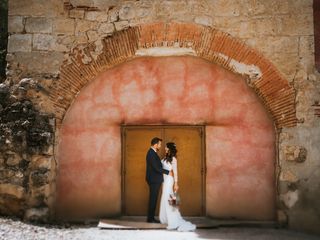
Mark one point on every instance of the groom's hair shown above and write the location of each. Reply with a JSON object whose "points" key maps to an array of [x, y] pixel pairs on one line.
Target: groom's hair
{"points": [[155, 140]]}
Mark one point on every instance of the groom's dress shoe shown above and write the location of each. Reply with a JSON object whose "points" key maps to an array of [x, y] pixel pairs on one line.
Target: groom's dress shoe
{"points": [[153, 221]]}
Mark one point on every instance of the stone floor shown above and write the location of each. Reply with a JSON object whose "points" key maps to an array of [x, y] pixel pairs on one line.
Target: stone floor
{"points": [[15, 229]]}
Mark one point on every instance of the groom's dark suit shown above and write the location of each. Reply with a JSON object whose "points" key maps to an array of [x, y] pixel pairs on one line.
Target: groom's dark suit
{"points": [[154, 178]]}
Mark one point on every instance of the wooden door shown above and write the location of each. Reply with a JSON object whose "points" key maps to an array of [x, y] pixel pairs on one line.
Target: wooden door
{"points": [[190, 145]]}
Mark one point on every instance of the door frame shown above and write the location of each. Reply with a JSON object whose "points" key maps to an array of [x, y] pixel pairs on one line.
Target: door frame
{"points": [[203, 158]]}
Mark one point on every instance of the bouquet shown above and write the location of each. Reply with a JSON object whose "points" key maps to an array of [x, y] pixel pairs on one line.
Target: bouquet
{"points": [[174, 199]]}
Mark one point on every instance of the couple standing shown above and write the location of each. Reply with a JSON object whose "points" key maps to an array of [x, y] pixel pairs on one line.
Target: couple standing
{"points": [[164, 171]]}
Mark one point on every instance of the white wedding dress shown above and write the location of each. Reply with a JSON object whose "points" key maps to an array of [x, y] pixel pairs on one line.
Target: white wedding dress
{"points": [[168, 214]]}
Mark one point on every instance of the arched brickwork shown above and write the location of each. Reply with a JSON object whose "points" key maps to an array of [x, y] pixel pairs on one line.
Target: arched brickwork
{"points": [[207, 43]]}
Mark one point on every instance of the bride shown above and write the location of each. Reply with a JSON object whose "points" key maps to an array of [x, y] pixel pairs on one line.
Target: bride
{"points": [[170, 215]]}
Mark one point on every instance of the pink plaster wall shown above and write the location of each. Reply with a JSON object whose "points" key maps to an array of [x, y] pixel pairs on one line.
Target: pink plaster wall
{"points": [[240, 136]]}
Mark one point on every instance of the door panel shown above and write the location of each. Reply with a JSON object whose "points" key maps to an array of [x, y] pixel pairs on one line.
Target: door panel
{"points": [[136, 192], [136, 142], [188, 141]]}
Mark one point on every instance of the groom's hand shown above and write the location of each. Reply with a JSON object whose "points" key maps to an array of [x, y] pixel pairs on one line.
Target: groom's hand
{"points": [[171, 173]]}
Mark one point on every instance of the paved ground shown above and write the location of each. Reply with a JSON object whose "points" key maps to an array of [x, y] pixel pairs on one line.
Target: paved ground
{"points": [[14, 229]]}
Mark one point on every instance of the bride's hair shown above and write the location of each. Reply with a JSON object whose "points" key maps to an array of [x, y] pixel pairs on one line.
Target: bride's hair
{"points": [[172, 151]]}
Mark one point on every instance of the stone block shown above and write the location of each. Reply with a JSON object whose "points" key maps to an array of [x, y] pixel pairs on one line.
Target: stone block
{"points": [[13, 190], [127, 11], [40, 62], [203, 20], [15, 24], [85, 25], [12, 159], [63, 43], [18, 178], [42, 42], [266, 26], [76, 13], [37, 215], [275, 44], [92, 35], [307, 62], [64, 26], [35, 8], [38, 195], [38, 25], [106, 28], [294, 153], [100, 16], [262, 7], [282, 217], [113, 15], [306, 44], [291, 152], [143, 12], [105, 5], [11, 206], [225, 8], [40, 177], [288, 176], [121, 25], [19, 43], [295, 25], [82, 3], [245, 29], [1, 161], [285, 62], [6, 173], [81, 38], [41, 161], [290, 198], [300, 6]]}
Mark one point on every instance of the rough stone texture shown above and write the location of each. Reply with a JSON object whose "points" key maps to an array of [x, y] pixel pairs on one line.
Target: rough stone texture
{"points": [[15, 24], [121, 25], [75, 13], [203, 20], [38, 62], [38, 25], [106, 28], [281, 30], [12, 190], [37, 214], [42, 42], [3, 38], [35, 8], [100, 16], [63, 26], [20, 43], [24, 134]]}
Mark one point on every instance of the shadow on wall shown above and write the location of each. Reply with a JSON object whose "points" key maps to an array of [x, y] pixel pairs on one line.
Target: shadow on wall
{"points": [[3, 37]]}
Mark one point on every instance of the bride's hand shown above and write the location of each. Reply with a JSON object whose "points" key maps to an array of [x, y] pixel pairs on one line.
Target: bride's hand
{"points": [[175, 187]]}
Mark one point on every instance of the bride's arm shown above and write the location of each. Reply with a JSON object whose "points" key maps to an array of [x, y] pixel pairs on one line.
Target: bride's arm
{"points": [[175, 174]]}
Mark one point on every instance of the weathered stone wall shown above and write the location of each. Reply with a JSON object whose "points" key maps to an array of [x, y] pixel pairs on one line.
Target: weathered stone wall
{"points": [[3, 38], [43, 34], [26, 139]]}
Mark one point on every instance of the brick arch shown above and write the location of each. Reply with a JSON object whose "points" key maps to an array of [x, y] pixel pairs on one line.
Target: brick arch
{"points": [[204, 42]]}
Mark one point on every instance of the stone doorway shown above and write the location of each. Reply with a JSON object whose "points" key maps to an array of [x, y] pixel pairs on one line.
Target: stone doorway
{"points": [[191, 167]]}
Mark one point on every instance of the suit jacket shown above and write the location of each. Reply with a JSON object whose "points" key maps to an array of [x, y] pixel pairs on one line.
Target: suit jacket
{"points": [[154, 171]]}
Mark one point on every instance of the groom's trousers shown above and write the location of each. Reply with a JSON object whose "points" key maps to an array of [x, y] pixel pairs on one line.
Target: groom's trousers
{"points": [[153, 197]]}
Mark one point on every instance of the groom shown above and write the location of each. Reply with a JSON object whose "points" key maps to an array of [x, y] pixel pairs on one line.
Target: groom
{"points": [[154, 177]]}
